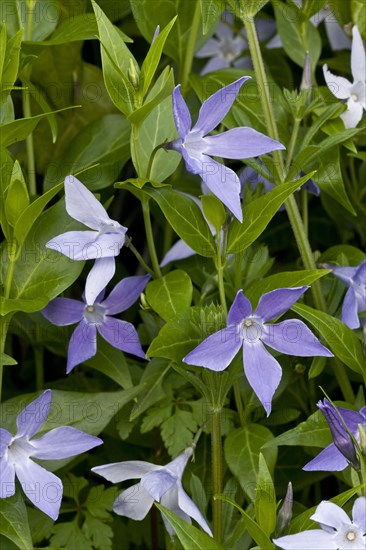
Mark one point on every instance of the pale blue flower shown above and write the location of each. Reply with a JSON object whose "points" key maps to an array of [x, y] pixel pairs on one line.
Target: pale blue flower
{"points": [[42, 487], [355, 299], [160, 483]]}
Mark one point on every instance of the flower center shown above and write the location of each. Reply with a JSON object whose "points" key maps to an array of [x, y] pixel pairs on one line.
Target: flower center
{"points": [[90, 309], [351, 536], [250, 330], [94, 314], [354, 97]]}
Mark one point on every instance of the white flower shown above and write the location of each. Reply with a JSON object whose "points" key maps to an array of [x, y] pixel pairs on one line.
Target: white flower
{"points": [[354, 92]]}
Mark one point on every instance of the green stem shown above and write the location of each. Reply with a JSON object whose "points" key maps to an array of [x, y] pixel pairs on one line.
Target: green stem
{"points": [[190, 49], [343, 381], [38, 360], [291, 146], [4, 325], [140, 258], [220, 272], [239, 403], [150, 236], [31, 165], [291, 206], [305, 210], [136, 157], [216, 445]]}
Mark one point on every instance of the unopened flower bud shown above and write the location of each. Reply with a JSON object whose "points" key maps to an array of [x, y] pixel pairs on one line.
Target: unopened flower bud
{"points": [[306, 81], [133, 75], [285, 513], [361, 431]]}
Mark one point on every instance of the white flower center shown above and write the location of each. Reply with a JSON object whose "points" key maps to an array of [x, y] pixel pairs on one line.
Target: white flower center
{"points": [[95, 314], [250, 330], [354, 97], [351, 535], [19, 449]]}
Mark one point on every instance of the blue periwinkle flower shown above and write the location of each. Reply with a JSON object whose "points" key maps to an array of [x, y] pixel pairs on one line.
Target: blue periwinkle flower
{"points": [[197, 147], [101, 244], [160, 483], [250, 331], [337, 531], [98, 318], [355, 299], [42, 487]]}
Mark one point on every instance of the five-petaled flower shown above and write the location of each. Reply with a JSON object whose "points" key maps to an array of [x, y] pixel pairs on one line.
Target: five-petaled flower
{"points": [[337, 531], [101, 244], [339, 454], [43, 488], [196, 147], [250, 332], [355, 299], [120, 334], [160, 483], [354, 92]]}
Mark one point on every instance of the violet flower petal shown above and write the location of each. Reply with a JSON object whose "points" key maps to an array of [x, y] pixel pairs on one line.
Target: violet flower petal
{"points": [[217, 351], [240, 143], [360, 276], [181, 114], [63, 442], [215, 64], [352, 116], [330, 515], [120, 471], [216, 107], [223, 183], [338, 85], [7, 477], [121, 335], [5, 438], [350, 309], [359, 513], [134, 503], [239, 310], [157, 483], [179, 251], [42, 488], [31, 418], [187, 505], [358, 61], [209, 49], [82, 345], [262, 371], [316, 539], [170, 501], [98, 278], [125, 293], [82, 205], [76, 245], [275, 303], [328, 460], [64, 311], [293, 337]]}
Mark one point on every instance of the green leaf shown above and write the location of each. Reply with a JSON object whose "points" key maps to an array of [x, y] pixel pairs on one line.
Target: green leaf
{"points": [[14, 521], [17, 198], [242, 448], [19, 129], [155, 417], [45, 17], [9, 65], [76, 28], [185, 332], [313, 432], [190, 537], [341, 339], [258, 213], [178, 431], [98, 532], [330, 180], [111, 362], [152, 58], [286, 279], [265, 498], [105, 142], [69, 536], [32, 213], [153, 392], [6, 360], [187, 220], [297, 36], [116, 63], [255, 531], [250, 8], [359, 15], [171, 294], [213, 210], [41, 274]]}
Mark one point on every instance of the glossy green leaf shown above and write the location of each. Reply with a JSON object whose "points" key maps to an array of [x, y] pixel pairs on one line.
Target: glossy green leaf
{"points": [[265, 498], [210, 11], [258, 213], [9, 65], [14, 521], [152, 379], [242, 448], [342, 341], [250, 8], [213, 210], [45, 16], [17, 197], [105, 143], [186, 219], [171, 294], [330, 180], [78, 27], [152, 58], [116, 63], [6, 360], [313, 432], [255, 531], [190, 537]]}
